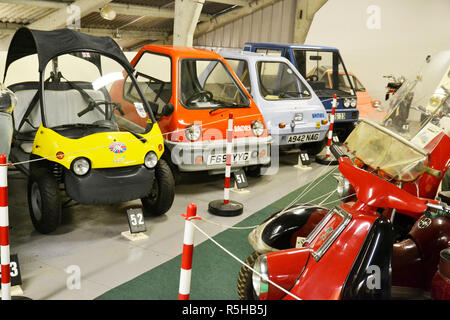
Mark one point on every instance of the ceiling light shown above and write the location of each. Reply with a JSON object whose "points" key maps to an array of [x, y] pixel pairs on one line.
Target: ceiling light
{"points": [[108, 13]]}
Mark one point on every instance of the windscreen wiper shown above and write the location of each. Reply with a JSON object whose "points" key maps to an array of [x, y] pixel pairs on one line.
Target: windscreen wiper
{"points": [[227, 106]]}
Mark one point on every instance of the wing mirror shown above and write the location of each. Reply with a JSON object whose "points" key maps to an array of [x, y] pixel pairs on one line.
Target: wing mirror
{"points": [[167, 110]]}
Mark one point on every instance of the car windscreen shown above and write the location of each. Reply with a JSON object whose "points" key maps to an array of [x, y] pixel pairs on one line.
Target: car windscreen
{"points": [[240, 67], [314, 65], [277, 81], [77, 92], [208, 83]]}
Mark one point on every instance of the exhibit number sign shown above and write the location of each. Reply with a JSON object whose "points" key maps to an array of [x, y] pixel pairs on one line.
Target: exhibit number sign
{"points": [[305, 159], [16, 278], [240, 179], [136, 220]]}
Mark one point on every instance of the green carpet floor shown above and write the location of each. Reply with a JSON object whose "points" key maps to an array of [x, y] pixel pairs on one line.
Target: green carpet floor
{"points": [[214, 273]]}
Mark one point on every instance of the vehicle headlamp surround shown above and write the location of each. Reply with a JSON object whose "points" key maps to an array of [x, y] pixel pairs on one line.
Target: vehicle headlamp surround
{"points": [[260, 284], [344, 188], [193, 132], [81, 166], [150, 160], [257, 128]]}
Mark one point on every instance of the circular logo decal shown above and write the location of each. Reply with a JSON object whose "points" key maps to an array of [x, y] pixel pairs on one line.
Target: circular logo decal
{"points": [[117, 147], [423, 223]]}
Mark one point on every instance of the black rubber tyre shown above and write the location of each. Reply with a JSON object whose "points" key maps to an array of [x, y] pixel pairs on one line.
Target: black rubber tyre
{"points": [[162, 194], [244, 283], [253, 171], [175, 171], [345, 131], [315, 147], [44, 200]]}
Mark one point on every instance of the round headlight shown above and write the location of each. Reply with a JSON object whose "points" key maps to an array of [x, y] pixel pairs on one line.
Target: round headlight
{"points": [[257, 128], [376, 103], [8, 100], [344, 188], [81, 166], [193, 132], [260, 284], [347, 103], [150, 160], [353, 103]]}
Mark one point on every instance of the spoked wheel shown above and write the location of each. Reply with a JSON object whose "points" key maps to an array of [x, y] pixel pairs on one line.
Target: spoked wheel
{"points": [[162, 194], [44, 201], [245, 283]]}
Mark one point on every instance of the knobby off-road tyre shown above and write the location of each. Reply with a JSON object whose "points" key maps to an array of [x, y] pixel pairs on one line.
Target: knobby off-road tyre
{"points": [[244, 283], [162, 194], [44, 200]]}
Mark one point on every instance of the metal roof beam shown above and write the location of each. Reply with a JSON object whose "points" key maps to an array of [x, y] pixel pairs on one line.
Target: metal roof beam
{"points": [[241, 3], [63, 16]]}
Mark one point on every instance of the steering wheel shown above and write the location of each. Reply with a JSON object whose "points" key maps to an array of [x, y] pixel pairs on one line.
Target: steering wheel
{"points": [[312, 77], [207, 95]]}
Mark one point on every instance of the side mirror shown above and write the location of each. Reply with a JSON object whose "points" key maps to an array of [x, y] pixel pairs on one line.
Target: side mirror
{"points": [[167, 110]]}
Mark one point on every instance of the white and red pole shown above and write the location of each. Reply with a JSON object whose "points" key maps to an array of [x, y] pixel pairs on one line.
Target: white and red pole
{"points": [[188, 250], [330, 131], [229, 151], [4, 230]]}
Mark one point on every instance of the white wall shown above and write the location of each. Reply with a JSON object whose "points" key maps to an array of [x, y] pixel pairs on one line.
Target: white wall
{"points": [[409, 31], [274, 23]]}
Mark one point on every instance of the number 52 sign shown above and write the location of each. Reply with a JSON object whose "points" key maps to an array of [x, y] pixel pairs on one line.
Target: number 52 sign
{"points": [[136, 220], [16, 279]]}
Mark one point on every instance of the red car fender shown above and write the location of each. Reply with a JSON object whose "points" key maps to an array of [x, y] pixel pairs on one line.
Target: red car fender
{"points": [[324, 279], [290, 263], [379, 193]]}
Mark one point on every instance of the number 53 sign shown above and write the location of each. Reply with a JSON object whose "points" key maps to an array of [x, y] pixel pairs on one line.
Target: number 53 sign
{"points": [[16, 279]]}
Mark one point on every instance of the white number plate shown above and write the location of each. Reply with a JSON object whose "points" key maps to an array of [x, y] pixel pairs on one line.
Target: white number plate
{"points": [[302, 138], [338, 116], [222, 158]]}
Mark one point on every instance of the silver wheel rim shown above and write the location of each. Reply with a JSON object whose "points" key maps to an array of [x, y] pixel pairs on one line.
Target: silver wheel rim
{"points": [[36, 201]]}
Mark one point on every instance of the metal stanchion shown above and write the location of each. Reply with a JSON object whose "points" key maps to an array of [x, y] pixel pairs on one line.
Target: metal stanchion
{"points": [[4, 230], [329, 158], [188, 250], [227, 207]]}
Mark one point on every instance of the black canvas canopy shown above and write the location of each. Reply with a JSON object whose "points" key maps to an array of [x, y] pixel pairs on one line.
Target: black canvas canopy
{"points": [[49, 44]]}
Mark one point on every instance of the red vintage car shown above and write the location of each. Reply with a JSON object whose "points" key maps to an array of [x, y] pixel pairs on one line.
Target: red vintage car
{"points": [[192, 92]]}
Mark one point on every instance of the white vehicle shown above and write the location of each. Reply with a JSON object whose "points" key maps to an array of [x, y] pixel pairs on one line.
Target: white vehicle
{"points": [[294, 115]]}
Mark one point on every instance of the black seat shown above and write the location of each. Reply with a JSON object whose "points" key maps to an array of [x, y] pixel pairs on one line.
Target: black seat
{"points": [[445, 197]]}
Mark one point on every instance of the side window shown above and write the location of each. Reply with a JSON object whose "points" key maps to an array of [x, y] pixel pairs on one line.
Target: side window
{"points": [[154, 75], [240, 67], [270, 52]]}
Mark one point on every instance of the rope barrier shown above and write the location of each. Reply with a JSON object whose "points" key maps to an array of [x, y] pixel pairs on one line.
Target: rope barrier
{"points": [[186, 283], [129, 141]]}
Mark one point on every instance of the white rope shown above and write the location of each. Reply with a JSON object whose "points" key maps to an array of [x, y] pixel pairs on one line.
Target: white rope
{"points": [[130, 141], [243, 263], [329, 194]]}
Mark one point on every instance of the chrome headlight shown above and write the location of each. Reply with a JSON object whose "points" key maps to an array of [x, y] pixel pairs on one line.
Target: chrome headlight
{"points": [[260, 284], [353, 103], [8, 100], [257, 128], [347, 102], [193, 132], [81, 166], [150, 160], [344, 188]]}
